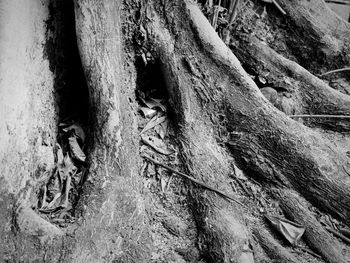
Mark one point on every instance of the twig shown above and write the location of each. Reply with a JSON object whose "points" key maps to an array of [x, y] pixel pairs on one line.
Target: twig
{"points": [[279, 7], [169, 182], [341, 2], [321, 116], [243, 186], [344, 232], [216, 14], [308, 251], [193, 180], [336, 70], [339, 235], [233, 10]]}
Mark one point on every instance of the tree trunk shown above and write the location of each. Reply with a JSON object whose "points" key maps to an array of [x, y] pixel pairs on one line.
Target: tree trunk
{"points": [[222, 132]]}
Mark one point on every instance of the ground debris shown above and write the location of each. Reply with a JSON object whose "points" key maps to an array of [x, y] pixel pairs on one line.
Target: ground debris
{"points": [[59, 188], [291, 231], [194, 180], [154, 123], [156, 144]]}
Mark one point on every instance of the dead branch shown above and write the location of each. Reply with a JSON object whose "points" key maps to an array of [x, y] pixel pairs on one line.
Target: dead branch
{"points": [[336, 70], [194, 180], [320, 116]]}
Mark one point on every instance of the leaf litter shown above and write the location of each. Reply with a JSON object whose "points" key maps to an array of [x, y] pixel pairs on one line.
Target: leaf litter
{"points": [[153, 137], [291, 231], [60, 186], [157, 144]]}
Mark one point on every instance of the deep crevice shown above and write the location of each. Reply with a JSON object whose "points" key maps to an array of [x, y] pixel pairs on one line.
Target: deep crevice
{"points": [[71, 93], [72, 97], [173, 222]]}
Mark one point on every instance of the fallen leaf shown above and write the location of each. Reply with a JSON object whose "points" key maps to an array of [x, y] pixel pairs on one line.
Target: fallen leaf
{"points": [[64, 200], [290, 230], [76, 151], [143, 170], [66, 168], [59, 154], [53, 186], [147, 112], [162, 129], [143, 149], [53, 205], [153, 122], [162, 183], [77, 178], [78, 130], [261, 80], [169, 182], [151, 170], [43, 202], [153, 103], [159, 130], [156, 144]]}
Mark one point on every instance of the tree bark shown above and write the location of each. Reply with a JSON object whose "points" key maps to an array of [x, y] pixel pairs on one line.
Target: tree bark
{"points": [[220, 122]]}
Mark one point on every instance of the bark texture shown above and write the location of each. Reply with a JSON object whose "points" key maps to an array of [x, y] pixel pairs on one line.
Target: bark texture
{"points": [[222, 125]]}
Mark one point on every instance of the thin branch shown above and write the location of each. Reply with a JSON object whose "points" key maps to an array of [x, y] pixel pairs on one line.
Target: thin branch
{"points": [[193, 180], [308, 251], [321, 116], [279, 7], [341, 2], [334, 71], [339, 235], [234, 6]]}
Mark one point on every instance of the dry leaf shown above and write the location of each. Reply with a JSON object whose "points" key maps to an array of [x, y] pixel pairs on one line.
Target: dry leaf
{"points": [[162, 129], [50, 207], [53, 186], [165, 126], [143, 168], [143, 149], [151, 170], [153, 103], [159, 130], [43, 202], [76, 151], [78, 131], [59, 154], [147, 112], [64, 201], [290, 230], [66, 168], [162, 183], [153, 122], [156, 144]]}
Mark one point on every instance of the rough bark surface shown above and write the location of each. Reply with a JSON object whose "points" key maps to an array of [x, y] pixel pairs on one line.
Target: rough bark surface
{"points": [[223, 131]]}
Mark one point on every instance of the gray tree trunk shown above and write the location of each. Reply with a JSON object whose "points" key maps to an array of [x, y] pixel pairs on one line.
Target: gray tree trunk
{"points": [[220, 121]]}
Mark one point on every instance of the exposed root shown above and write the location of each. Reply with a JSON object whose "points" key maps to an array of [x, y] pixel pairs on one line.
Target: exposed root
{"points": [[272, 248], [195, 181], [316, 236], [223, 233], [32, 224], [263, 140], [303, 93], [319, 21]]}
